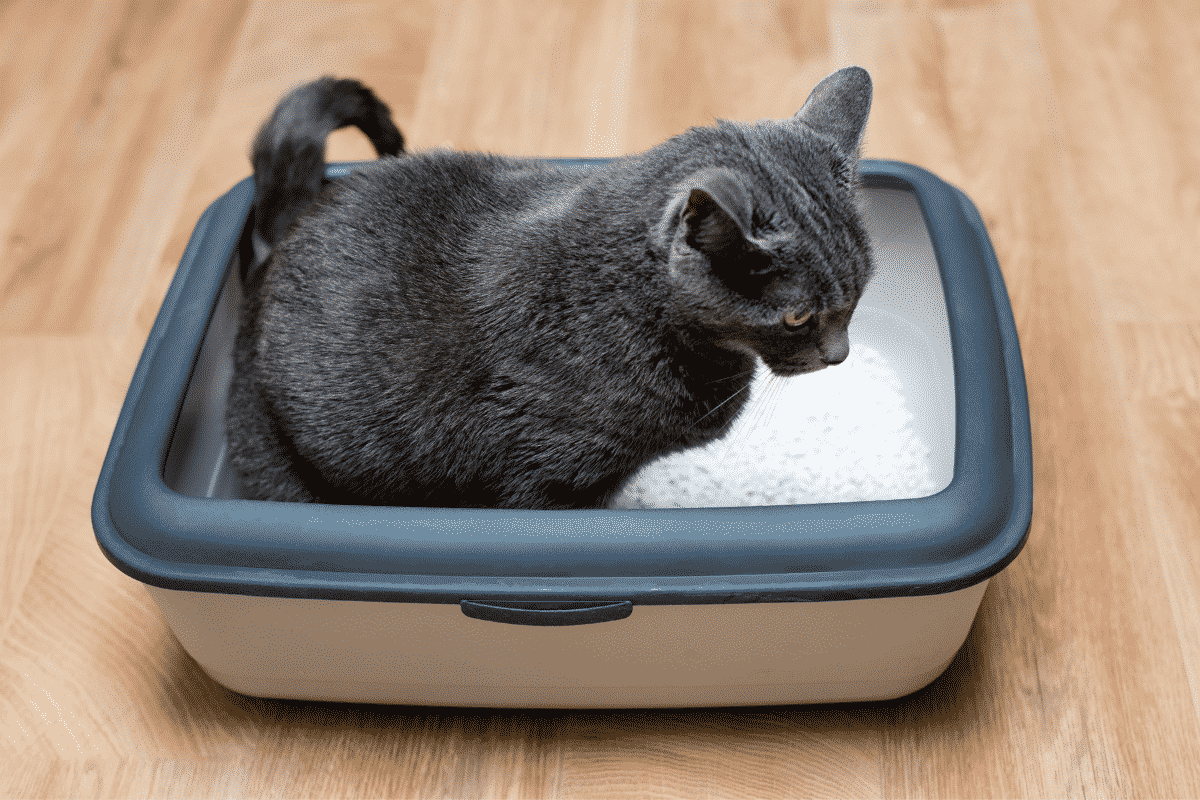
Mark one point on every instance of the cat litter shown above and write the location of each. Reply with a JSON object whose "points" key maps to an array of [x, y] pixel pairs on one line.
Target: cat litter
{"points": [[840, 435], [834, 547]]}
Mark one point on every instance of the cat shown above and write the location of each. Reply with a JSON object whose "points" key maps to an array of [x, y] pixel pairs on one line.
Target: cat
{"points": [[461, 329]]}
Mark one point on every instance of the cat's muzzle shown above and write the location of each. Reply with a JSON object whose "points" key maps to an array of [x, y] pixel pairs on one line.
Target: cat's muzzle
{"points": [[792, 370]]}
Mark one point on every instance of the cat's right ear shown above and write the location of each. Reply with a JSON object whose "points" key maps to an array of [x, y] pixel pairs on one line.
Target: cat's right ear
{"points": [[838, 108]]}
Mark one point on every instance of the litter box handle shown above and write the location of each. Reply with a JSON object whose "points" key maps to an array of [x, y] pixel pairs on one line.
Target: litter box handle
{"points": [[547, 612]]}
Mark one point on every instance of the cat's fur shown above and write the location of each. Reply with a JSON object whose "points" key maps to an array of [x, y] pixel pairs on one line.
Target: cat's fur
{"points": [[460, 329]]}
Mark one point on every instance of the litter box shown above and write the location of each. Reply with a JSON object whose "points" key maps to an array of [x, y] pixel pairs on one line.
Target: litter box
{"points": [[608, 608]]}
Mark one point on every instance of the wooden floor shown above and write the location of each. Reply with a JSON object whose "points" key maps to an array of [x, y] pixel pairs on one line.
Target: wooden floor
{"points": [[1075, 127]]}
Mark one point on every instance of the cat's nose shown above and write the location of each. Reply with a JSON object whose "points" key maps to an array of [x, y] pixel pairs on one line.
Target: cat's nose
{"points": [[834, 353]]}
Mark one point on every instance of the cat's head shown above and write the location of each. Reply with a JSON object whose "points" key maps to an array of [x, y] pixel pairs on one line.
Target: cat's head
{"points": [[765, 249]]}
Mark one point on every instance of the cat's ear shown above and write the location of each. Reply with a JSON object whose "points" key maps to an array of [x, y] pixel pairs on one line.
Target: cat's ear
{"points": [[717, 212], [838, 108]]}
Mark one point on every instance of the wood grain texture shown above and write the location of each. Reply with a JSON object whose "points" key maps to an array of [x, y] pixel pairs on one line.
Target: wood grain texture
{"points": [[1162, 370], [570, 101], [694, 62], [45, 416], [1072, 125], [713, 754], [123, 127], [1130, 130]]}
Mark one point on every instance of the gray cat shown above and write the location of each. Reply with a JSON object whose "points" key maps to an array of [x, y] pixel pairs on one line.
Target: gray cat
{"points": [[468, 330]]}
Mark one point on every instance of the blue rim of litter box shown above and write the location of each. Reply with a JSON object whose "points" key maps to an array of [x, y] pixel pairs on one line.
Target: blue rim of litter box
{"points": [[932, 545]]}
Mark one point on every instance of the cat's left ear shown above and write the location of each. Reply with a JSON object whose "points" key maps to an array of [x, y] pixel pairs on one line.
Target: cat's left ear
{"points": [[838, 108], [717, 212]]}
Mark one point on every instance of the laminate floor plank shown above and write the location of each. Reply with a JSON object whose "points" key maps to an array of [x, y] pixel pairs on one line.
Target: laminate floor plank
{"points": [[109, 779], [91, 220], [829, 751], [695, 62], [562, 93], [51, 384], [1162, 380], [381, 751], [1129, 109], [1126, 92], [47, 51]]}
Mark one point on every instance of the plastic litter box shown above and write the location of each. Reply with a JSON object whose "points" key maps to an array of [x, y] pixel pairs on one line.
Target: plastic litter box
{"points": [[819, 602]]}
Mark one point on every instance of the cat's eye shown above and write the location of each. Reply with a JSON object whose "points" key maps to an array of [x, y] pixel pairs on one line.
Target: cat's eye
{"points": [[792, 320]]}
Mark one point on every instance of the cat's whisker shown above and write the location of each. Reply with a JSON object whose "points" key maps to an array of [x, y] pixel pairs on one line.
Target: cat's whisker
{"points": [[723, 402], [735, 439], [733, 377], [764, 410]]}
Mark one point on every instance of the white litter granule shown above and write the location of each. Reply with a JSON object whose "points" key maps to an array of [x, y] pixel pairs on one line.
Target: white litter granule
{"points": [[838, 435]]}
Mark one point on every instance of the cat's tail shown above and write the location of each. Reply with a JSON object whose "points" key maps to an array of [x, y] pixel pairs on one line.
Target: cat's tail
{"points": [[289, 151]]}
